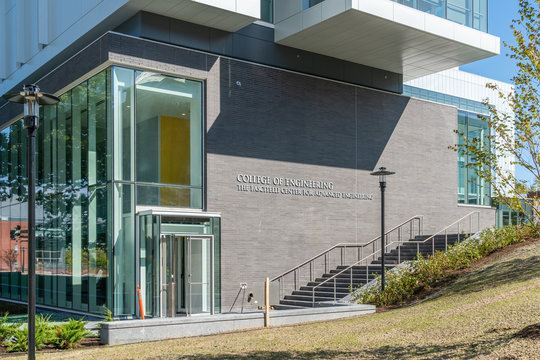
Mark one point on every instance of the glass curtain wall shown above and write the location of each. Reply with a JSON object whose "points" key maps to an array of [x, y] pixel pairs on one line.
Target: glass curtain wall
{"points": [[92, 172], [471, 13], [471, 189], [267, 10], [158, 162], [71, 202]]}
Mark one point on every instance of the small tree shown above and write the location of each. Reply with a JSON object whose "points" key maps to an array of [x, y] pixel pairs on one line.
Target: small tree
{"points": [[517, 134]]}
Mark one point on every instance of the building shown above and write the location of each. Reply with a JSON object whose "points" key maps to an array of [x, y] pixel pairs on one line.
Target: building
{"points": [[203, 144]]}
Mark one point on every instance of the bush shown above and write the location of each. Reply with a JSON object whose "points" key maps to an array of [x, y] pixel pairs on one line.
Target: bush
{"points": [[403, 283], [70, 334], [108, 314], [17, 341], [6, 329]]}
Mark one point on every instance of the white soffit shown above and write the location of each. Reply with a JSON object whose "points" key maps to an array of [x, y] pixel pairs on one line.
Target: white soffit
{"points": [[385, 35], [228, 15]]}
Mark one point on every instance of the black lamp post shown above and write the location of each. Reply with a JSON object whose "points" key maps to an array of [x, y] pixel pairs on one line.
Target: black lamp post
{"points": [[31, 97], [382, 173]]}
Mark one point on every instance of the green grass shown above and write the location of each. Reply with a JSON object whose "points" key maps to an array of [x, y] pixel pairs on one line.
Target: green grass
{"points": [[475, 316]]}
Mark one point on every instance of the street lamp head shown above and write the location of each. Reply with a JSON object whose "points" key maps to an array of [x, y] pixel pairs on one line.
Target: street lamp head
{"points": [[31, 97], [31, 93], [382, 174]]}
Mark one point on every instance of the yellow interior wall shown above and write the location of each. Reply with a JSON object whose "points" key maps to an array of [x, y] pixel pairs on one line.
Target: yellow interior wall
{"points": [[175, 160]]}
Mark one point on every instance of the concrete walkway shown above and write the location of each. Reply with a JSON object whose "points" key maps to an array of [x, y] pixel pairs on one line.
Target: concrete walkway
{"points": [[133, 331]]}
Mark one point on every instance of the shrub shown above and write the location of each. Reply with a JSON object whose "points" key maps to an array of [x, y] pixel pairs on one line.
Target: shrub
{"points": [[108, 314], [404, 282], [70, 334], [17, 341], [6, 329]]}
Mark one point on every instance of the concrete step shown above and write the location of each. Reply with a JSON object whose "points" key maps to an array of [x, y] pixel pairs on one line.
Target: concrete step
{"points": [[304, 303], [310, 299], [288, 307], [321, 292], [296, 303]]}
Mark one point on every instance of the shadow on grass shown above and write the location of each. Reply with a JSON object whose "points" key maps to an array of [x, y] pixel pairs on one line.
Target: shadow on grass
{"points": [[501, 273], [413, 351]]}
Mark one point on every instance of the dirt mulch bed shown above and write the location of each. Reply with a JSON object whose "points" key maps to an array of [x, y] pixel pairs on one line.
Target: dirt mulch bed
{"points": [[89, 342]]}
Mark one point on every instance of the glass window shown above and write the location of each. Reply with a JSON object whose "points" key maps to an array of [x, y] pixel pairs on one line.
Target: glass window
{"points": [[98, 96], [480, 15], [433, 7], [410, 3], [169, 139], [460, 11], [124, 250], [309, 3], [462, 158], [471, 188], [71, 219], [149, 262], [123, 107], [78, 194], [267, 10]]}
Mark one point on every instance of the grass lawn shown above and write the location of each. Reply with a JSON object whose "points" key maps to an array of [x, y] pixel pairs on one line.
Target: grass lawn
{"points": [[476, 316]]}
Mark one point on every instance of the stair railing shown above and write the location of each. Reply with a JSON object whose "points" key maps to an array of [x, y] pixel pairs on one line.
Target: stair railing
{"points": [[350, 268], [344, 253], [461, 225]]}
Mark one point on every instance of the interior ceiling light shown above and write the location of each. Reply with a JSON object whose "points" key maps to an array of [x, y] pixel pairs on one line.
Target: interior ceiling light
{"points": [[164, 91]]}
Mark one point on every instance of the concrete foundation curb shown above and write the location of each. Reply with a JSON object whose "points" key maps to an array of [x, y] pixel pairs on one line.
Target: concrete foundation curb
{"points": [[134, 331]]}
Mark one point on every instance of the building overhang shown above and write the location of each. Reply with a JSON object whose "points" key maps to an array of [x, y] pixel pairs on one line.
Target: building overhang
{"points": [[229, 15], [385, 35]]}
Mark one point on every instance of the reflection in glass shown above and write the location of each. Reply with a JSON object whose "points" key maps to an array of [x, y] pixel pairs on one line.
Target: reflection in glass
{"points": [[480, 15], [169, 139], [460, 11], [471, 13], [71, 219], [462, 158], [85, 209], [124, 249], [267, 10], [471, 188], [123, 105]]}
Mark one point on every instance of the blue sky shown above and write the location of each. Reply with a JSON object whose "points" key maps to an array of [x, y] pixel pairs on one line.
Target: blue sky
{"points": [[501, 13]]}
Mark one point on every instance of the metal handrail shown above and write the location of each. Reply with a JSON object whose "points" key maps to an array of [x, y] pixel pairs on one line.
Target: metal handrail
{"points": [[416, 217], [340, 245], [432, 237], [309, 266], [339, 273], [445, 230], [469, 215]]}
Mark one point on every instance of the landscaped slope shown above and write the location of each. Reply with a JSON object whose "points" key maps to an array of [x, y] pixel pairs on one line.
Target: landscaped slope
{"points": [[477, 316]]}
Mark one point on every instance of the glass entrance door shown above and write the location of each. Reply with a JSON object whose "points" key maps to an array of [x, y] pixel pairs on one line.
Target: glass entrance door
{"points": [[199, 274], [171, 275], [186, 274]]}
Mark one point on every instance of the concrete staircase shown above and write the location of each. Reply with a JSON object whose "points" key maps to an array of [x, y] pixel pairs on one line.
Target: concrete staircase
{"points": [[339, 287]]}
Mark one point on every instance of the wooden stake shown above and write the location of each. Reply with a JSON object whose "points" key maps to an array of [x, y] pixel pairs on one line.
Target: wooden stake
{"points": [[267, 303]]}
